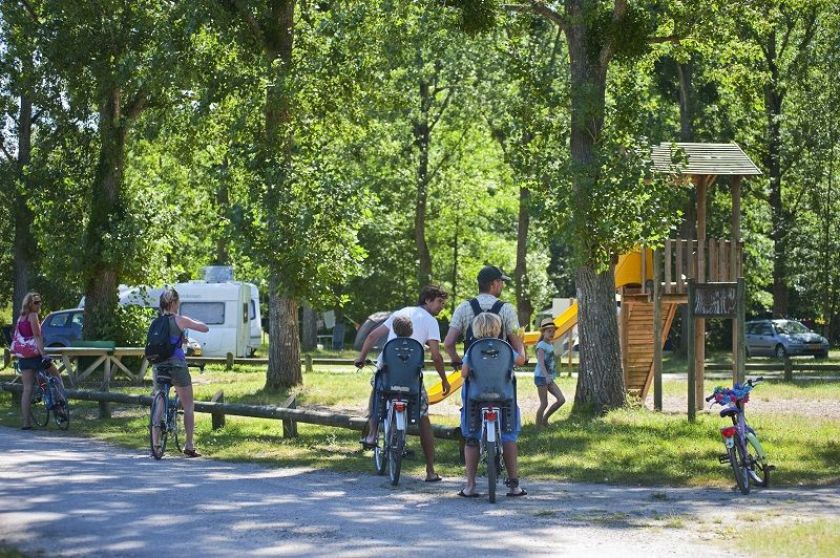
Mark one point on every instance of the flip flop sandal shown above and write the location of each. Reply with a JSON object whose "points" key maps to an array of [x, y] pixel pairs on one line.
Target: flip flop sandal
{"points": [[435, 478], [191, 453], [367, 445], [517, 494], [463, 494]]}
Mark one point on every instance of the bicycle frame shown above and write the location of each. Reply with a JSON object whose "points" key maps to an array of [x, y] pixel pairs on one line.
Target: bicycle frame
{"points": [[491, 429]]}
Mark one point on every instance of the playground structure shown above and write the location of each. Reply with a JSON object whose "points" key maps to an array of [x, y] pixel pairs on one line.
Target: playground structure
{"points": [[703, 273]]}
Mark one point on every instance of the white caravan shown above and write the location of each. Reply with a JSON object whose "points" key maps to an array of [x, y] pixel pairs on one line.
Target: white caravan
{"points": [[230, 309]]}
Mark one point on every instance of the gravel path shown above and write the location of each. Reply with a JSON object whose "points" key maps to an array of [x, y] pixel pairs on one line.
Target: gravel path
{"points": [[68, 496]]}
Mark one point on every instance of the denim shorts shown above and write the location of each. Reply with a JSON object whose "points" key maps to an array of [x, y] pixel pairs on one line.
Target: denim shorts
{"points": [[507, 437], [543, 381], [375, 402], [33, 363]]}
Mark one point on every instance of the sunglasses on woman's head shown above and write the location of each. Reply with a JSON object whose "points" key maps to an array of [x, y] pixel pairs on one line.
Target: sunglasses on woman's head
{"points": [[36, 302]]}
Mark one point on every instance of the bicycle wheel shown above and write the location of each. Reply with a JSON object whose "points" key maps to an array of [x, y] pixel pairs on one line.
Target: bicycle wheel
{"points": [[157, 425], [492, 469], [61, 413], [737, 459], [395, 451], [758, 470], [380, 452], [176, 423], [38, 408]]}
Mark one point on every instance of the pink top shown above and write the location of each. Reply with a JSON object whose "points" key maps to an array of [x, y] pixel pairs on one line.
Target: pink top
{"points": [[25, 327]]}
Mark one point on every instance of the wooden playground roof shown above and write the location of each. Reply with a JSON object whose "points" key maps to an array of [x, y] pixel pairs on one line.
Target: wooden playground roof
{"points": [[704, 159]]}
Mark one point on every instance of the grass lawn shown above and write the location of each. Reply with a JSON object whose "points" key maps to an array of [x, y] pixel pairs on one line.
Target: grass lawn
{"points": [[628, 446], [811, 539]]}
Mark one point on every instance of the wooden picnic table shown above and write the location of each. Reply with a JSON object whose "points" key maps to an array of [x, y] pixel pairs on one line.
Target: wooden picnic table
{"points": [[110, 358]]}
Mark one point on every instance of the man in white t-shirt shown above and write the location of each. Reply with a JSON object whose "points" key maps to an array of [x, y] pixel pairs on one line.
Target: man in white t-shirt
{"points": [[426, 331]]}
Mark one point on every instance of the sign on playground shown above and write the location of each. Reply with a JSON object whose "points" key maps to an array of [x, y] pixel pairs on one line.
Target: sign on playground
{"points": [[715, 300]]}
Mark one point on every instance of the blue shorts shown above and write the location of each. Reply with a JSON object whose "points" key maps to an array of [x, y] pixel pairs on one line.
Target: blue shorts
{"points": [[507, 437], [543, 381]]}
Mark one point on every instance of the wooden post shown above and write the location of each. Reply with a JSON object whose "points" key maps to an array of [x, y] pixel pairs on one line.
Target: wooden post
{"points": [[739, 348], [624, 337], [788, 369], [104, 406], [229, 361], [700, 323], [307, 358], [657, 333], [692, 363], [290, 426], [738, 334], [218, 417]]}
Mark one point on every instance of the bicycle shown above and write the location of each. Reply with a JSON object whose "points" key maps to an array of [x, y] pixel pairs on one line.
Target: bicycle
{"points": [[398, 386], [165, 417], [491, 396], [744, 452], [47, 390]]}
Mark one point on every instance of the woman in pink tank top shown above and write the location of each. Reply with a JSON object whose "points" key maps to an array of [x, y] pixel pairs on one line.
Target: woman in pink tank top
{"points": [[29, 327]]}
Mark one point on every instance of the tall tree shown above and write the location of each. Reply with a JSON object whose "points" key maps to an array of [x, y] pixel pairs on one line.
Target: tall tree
{"points": [[118, 59], [784, 31], [301, 213], [605, 174]]}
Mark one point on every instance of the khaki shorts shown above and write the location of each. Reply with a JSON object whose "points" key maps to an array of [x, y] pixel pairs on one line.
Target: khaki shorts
{"points": [[175, 373]]}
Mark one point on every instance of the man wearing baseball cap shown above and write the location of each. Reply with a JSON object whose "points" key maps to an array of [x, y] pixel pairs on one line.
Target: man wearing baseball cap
{"points": [[491, 281]]}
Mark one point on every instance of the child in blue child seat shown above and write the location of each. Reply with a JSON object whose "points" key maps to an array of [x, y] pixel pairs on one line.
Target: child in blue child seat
{"points": [[484, 325], [544, 373]]}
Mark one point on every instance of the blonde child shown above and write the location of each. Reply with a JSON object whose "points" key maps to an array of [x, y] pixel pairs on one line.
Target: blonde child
{"points": [[544, 374]]}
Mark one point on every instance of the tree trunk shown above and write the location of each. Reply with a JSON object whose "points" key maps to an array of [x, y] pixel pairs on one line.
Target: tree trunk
{"points": [[600, 383], [284, 342], [686, 75], [689, 224], [284, 370], [23, 244], [422, 140], [107, 212], [773, 98], [310, 328], [222, 205], [524, 308]]}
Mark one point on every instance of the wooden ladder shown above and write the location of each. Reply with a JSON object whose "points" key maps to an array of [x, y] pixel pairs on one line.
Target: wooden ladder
{"points": [[637, 341]]}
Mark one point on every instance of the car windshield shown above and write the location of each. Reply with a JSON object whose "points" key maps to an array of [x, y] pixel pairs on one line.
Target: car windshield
{"points": [[791, 328]]}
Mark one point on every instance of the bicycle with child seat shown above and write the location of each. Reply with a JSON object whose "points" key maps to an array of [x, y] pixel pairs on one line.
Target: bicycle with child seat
{"points": [[744, 451], [391, 434], [165, 418], [47, 397]]}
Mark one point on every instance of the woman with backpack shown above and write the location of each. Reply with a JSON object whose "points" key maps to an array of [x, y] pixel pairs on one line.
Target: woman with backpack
{"points": [[28, 347], [174, 369]]}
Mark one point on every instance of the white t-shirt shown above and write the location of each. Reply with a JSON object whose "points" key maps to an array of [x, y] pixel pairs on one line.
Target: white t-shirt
{"points": [[425, 326]]}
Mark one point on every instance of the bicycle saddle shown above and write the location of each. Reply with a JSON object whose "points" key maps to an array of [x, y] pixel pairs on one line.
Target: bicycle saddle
{"points": [[729, 412]]}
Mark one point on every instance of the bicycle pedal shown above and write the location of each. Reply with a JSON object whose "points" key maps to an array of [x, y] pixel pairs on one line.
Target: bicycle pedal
{"points": [[724, 458], [770, 468]]}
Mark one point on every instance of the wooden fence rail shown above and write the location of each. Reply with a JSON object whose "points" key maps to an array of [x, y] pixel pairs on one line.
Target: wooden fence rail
{"points": [[217, 409]]}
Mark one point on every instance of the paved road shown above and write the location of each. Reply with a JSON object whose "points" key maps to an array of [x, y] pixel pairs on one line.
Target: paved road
{"points": [[69, 496]]}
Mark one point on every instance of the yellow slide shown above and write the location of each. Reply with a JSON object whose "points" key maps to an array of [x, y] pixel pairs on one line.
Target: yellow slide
{"points": [[627, 272], [435, 392]]}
